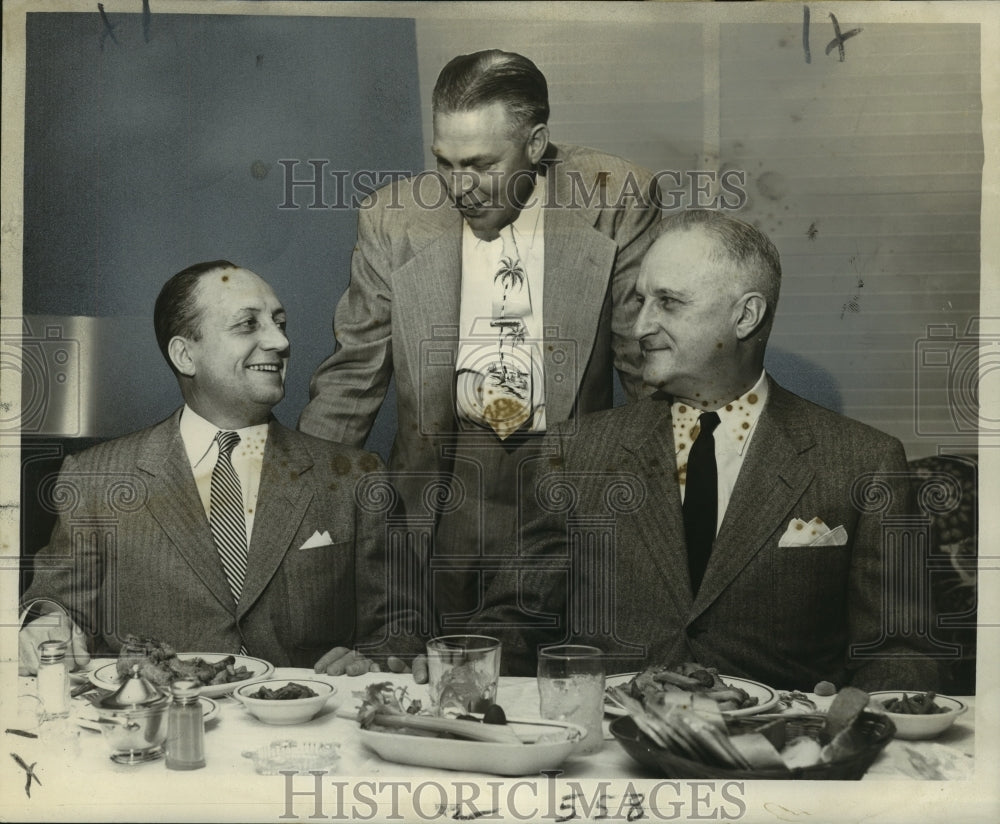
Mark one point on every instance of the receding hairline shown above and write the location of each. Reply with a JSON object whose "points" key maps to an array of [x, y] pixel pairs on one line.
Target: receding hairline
{"points": [[759, 271]]}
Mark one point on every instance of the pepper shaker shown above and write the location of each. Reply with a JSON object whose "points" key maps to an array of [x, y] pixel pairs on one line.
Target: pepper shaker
{"points": [[185, 728]]}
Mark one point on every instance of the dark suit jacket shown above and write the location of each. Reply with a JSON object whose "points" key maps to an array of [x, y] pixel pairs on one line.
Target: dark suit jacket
{"points": [[132, 551], [788, 616], [399, 316]]}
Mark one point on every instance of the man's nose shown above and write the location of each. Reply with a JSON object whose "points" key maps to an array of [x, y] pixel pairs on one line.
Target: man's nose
{"points": [[642, 325], [463, 181], [274, 338]]}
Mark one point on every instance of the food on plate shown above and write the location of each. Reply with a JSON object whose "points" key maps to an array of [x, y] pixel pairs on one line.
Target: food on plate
{"points": [[688, 678], [289, 692], [159, 664], [494, 715], [388, 707], [773, 744], [917, 704], [794, 701], [825, 689]]}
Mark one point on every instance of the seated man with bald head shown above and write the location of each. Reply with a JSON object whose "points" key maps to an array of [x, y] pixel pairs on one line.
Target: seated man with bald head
{"points": [[219, 529], [746, 541]]}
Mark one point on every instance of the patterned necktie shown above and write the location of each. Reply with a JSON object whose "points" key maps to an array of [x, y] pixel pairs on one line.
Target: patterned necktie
{"points": [[508, 394], [701, 499], [226, 518]]}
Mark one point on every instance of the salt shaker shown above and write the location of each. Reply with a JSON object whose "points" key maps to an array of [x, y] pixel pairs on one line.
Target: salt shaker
{"points": [[53, 680], [185, 728]]}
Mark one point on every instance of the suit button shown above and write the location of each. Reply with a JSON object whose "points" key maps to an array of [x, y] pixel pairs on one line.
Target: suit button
{"points": [[696, 631]]}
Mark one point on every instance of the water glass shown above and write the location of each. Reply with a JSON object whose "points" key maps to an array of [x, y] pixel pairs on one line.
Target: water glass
{"points": [[463, 671], [571, 688]]}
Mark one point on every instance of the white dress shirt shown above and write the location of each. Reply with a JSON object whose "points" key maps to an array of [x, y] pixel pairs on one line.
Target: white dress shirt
{"points": [[480, 261], [247, 458], [737, 423]]}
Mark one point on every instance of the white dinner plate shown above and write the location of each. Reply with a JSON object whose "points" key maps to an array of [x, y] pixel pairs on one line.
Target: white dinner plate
{"points": [[82, 675], [106, 676], [87, 715], [480, 756], [766, 697]]}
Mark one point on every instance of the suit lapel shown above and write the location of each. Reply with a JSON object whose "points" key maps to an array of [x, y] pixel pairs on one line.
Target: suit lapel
{"points": [[426, 296], [773, 477], [176, 506], [578, 264], [282, 501], [661, 527]]}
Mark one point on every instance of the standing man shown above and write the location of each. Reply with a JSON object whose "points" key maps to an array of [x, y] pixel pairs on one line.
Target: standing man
{"points": [[218, 529], [498, 292], [753, 538]]}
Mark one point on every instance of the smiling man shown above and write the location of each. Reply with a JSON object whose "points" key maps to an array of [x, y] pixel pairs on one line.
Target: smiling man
{"points": [[497, 291], [752, 538], [217, 529]]}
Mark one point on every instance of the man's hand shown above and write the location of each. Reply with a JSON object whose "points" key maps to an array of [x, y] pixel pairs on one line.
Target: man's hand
{"points": [[56, 626], [345, 661]]}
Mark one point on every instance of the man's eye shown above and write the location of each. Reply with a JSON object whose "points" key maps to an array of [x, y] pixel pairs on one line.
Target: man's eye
{"points": [[281, 324], [640, 299], [249, 323]]}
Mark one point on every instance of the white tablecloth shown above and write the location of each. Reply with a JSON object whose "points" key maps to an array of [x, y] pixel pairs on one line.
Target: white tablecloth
{"points": [[80, 782]]}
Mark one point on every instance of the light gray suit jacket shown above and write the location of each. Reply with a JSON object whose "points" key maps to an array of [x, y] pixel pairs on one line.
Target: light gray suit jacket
{"points": [[399, 316], [788, 616], [132, 551]]}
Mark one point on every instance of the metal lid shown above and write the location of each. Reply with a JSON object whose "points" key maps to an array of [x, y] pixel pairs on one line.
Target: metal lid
{"points": [[51, 651], [184, 689], [135, 691]]}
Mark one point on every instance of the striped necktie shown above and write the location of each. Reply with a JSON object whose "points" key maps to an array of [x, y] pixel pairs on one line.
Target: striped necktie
{"points": [[226, 518]]}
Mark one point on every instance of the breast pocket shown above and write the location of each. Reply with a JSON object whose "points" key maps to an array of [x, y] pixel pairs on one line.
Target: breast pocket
{"points": [[809, 589], [320, 595]]}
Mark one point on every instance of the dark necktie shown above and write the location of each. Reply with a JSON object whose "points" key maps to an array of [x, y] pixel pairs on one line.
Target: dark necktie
{"points": [[701, 499], [226, 518]]}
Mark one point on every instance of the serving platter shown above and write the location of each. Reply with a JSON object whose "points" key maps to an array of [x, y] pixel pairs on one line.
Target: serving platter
{"points": [[766, 697], [536, 753], [106, 675]]}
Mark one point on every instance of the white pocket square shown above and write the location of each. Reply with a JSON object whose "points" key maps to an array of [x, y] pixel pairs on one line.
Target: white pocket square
{"points": [[318, 539], [812, 533]]}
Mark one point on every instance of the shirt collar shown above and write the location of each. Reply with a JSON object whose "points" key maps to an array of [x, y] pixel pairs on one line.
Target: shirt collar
{"points": [[737, 419], [198, 435], [526, 226]]}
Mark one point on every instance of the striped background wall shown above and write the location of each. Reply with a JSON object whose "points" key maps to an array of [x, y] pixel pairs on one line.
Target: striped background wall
{"points": [[866, 173]]}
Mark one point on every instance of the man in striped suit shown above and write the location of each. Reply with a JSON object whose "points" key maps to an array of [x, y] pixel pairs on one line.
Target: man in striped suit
{"points": [[218, 529]]}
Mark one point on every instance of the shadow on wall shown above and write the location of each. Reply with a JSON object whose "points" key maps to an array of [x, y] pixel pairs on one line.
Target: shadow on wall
{"points": [[805, 378]]}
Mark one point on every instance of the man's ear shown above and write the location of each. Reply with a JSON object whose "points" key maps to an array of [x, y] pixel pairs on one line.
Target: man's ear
{"points": [[180, 355], [538, 142], [752, 314]]}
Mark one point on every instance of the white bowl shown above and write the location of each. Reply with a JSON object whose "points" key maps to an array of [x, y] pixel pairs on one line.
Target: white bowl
{"points": [[914, 727], [285, 710]]}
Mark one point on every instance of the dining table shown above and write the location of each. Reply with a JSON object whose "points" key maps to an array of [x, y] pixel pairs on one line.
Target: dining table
{"points": [[76, 779]]}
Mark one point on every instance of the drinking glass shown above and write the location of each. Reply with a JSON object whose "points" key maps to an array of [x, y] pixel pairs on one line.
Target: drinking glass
{"points": [[571, 688], [462, 671]]}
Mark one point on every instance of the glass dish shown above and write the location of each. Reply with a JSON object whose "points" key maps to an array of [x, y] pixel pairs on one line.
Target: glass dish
{"points": [[288, 755]]}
